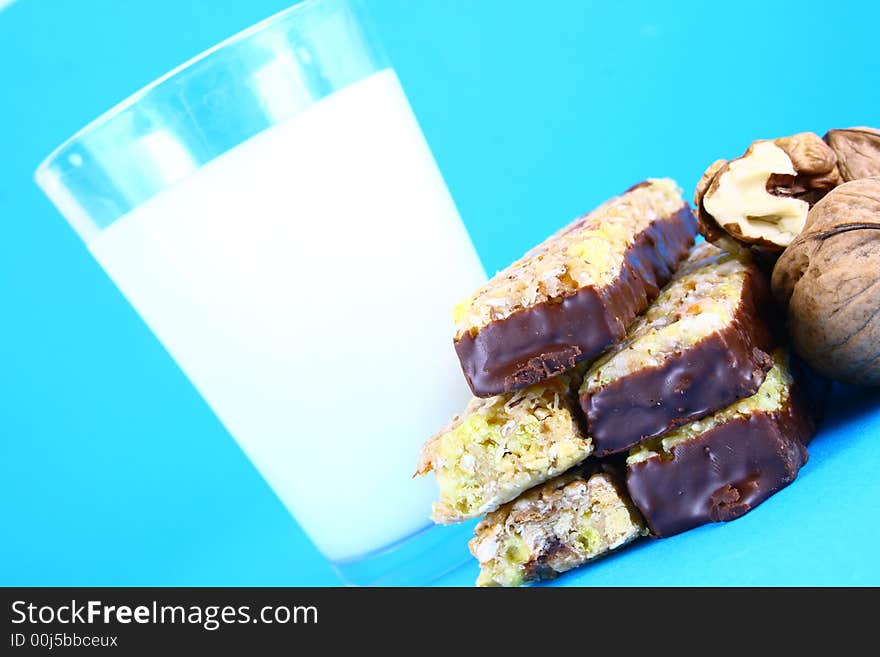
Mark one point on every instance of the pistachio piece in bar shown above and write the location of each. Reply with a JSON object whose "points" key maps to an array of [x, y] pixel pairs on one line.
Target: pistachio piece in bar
{"points": [[720, 467], [501, 446], [555, 527], [700, 346], [575, 294]]}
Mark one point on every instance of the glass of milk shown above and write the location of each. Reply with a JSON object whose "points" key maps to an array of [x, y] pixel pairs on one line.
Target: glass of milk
{"points": [[273, 213]]}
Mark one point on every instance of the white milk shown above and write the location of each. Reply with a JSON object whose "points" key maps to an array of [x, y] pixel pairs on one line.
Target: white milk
{"points": [[304, 282]]}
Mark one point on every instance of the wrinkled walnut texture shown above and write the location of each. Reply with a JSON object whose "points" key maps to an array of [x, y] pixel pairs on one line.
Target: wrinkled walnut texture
{"points": [[828, 280], [857, 151]]}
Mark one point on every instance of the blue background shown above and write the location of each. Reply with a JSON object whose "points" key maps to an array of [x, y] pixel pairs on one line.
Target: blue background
{"points": [[113, 471]]}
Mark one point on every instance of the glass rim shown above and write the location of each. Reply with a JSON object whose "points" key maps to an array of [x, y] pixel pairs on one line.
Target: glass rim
{"points": [[132, 99]]}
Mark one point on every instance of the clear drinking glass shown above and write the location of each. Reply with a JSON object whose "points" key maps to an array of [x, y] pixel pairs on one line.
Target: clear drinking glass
{"points": [[273, 213]]}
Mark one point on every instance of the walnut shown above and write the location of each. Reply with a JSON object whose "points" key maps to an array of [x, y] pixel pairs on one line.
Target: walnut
{"points": [[828, 281], [762, 198], [708, 227], [816, 166], [857, 150]]}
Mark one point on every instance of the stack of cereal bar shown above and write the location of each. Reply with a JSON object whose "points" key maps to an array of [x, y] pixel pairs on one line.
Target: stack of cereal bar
{"points": [[626, 384]]}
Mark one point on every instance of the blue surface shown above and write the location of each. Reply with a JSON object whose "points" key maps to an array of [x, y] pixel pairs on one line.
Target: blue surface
{"points": [[113, 471]]}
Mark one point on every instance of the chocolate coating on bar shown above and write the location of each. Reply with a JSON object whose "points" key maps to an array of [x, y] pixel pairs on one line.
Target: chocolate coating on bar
{"points": [[722, 474], [553, 336], [719, 369]]}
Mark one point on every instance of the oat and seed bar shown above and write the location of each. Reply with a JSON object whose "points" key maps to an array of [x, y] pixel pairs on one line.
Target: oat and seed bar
{"points": [[719, 467], [500, 446], [575, 294], [703, 344], [555, 527]]}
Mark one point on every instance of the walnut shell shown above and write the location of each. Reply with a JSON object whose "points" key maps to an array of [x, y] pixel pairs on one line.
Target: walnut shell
{"points": [[857, 150], [829, 280]]}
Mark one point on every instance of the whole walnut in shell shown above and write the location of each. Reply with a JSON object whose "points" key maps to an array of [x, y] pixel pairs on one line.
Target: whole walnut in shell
{"points": [[829, 280]]}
